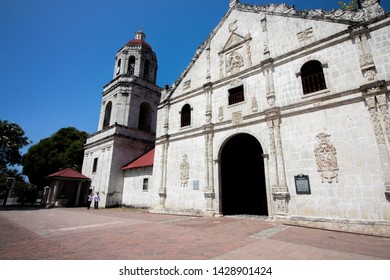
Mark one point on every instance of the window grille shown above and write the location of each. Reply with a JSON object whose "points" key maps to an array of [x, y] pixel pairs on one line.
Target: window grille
{"points": [[236, 95], [312, 77], [185, 116]]}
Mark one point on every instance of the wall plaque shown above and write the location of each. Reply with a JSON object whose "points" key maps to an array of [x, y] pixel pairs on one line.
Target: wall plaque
{"points": [[195, 185], [302, 184]]}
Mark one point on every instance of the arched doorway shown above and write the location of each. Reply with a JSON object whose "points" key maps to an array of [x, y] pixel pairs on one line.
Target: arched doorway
{"points": [[243, 188]]}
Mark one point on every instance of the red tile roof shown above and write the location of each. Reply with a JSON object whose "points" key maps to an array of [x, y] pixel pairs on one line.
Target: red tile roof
{"points": [[68, 173], [137, 42], [142, 161]]}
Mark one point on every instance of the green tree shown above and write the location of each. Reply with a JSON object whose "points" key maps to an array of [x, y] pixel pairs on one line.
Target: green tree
{"points": [[12, 139], [63, 149], [352, 5]]}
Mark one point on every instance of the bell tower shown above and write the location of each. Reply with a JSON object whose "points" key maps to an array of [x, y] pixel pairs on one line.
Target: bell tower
{"points": [[135, 71], [127, 122]]}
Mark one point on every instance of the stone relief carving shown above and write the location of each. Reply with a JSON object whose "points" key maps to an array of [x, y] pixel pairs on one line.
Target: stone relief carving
{"points": [[236, 118], [370, 74], [184, 171], [271, 100], [236, 53], [376, 120], [187, 84], [305, 34], [234, 62], [254, 106], [220, 114], [325, 154], [384, 110]]}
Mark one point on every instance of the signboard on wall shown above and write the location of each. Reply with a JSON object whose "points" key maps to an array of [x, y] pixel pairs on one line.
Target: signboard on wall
{"points": [[302, 184]]}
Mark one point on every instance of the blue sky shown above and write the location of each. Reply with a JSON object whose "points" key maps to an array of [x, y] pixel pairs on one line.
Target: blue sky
{"points": [[56, 55]]}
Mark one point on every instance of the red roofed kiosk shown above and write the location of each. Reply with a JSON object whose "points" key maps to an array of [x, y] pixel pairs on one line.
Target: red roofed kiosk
{"points": [[68, 187]]}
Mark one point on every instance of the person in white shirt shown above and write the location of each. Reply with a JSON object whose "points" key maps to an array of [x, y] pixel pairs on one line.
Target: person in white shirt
{"points": [[96, 200], [89, 200]]}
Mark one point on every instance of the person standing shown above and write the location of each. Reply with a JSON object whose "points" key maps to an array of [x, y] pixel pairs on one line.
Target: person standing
{"points": [[89, 200], [96, 200]]}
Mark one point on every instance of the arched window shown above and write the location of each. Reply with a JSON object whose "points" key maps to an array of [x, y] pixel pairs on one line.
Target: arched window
{"points": [[131, 66], [145, 117], [312, 77], [146, 69], [118, 67], [107, 115], [185, 115]]}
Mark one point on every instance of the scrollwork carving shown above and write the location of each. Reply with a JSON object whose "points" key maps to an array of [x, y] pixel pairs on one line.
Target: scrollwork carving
{"points": [[326, 159]]}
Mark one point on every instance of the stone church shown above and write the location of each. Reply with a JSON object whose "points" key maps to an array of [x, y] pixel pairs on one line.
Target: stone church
{"points": [[281, 113]]}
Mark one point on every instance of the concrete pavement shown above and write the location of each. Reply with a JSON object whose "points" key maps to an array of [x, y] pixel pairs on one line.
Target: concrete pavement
{"points": [[123, 234]]}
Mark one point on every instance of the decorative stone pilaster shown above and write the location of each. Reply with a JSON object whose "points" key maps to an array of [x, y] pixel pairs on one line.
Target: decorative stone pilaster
{"points": [[383, 109], [162, 191], [375, 95], [263, 23], [269, 82], [208, 96], [279, 189], [208, 128], [367, 65]]}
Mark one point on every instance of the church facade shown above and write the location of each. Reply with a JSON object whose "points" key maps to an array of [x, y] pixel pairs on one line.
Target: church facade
{"points": [[281, 113]]}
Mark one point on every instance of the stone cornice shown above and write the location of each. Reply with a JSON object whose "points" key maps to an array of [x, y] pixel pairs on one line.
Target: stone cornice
{"points": [[127, 81]]}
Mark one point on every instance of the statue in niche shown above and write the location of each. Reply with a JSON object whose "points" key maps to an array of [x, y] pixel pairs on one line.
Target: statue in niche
{"points": [[325, 154]]}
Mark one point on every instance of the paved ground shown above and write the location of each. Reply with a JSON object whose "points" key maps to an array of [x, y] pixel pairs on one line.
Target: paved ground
{"points": [[120, 234]]}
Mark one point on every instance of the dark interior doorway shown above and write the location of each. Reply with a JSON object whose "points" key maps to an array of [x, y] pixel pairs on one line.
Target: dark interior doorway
{"points": [[242, 177]]}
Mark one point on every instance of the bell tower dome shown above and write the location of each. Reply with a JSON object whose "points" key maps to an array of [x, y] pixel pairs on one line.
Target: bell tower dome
{"points": [[137, 58]]}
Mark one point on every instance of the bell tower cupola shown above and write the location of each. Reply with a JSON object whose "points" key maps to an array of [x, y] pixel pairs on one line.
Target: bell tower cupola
{"points": [[137, 59], [132, 97]]}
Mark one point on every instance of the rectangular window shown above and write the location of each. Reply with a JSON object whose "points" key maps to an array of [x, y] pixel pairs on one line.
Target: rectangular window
{"points": [[236, 95], [94, 167], [145, 184]]}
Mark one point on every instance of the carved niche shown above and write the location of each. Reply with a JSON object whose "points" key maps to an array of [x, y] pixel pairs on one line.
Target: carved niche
{"points": [[325, 154], [236, 53]]}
